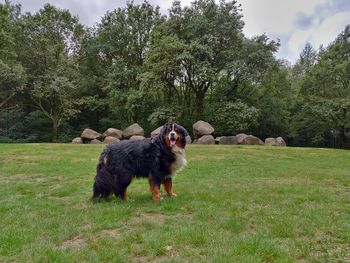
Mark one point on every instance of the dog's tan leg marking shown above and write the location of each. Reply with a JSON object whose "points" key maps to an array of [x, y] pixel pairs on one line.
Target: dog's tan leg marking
{"points": [[154, 190], [125, 194], [168, 186]]}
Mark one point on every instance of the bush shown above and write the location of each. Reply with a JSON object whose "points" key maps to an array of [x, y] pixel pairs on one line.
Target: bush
{"points": [[231, 118]]}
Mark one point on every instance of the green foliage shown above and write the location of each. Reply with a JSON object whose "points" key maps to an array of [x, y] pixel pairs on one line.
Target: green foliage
{"points": [[12, 126], [231, 118], [163, 115], [38, 127], [325, 95]]}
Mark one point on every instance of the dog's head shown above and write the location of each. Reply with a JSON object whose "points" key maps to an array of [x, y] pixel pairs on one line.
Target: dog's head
{"points": [[174, 135]]}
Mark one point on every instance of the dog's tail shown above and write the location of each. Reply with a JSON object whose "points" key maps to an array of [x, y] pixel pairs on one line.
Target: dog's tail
{"points": [[103, 185]]}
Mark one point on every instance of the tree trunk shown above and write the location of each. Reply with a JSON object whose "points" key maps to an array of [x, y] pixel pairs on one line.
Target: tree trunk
{"points": [[54, 130], [199, 107]]}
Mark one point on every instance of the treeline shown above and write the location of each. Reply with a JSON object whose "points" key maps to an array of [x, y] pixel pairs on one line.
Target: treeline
{"points": [[58, 76]]}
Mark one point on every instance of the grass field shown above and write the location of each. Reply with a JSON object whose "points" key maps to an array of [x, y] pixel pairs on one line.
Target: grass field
{"points": [[234, 204]]}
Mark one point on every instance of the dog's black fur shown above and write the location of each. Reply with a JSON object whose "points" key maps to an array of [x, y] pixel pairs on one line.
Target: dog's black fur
{"points": [[150, 158]]}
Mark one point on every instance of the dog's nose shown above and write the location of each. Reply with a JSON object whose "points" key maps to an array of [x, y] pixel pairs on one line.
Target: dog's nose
{"points": [[172, 134]]}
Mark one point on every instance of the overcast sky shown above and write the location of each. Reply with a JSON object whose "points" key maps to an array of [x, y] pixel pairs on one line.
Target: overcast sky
{"points": [[294, 22]]}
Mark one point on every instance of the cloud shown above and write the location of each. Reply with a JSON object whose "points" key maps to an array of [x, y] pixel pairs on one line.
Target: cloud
{"points": [[293, 22]]}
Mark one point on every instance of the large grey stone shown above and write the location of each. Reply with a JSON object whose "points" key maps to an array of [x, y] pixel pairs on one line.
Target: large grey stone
{"points": [[136, 138], [271, 142], [114, 133], [110, 140], [95, 141], [280, 141], [90, 134], [77, 140], [188, 139], [252, 140], [132, 130], [156, 131], [201, 128], [228, 140], [206, 139], [240, 137]]}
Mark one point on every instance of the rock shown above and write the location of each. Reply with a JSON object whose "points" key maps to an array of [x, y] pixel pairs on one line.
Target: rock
{"points": [[77, 140], [132, 130], [241, 137], [188, 139], [271, 142], [206, 139], [231, 140], [110, 140], [156, 131], [113, 133], [217, 140], [90, 134], [136, 138], [95, 141], [280, 141], [201, 128], [252, 140]]}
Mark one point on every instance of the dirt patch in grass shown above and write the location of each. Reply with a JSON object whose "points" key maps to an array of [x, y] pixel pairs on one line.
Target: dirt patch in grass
{"points": [[113, 233], [149, 217], [170, 254], [76, 243], [22, 178], [59, 198]]}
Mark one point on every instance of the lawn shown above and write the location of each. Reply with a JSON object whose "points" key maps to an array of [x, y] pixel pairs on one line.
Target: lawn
{"points": [[234, 204]]}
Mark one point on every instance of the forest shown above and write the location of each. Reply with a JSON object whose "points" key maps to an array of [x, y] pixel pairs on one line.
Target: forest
{"points": [[58, 76]]}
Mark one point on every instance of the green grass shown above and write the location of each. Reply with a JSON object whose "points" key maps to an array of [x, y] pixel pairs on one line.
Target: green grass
{"points": [[234, 204]]}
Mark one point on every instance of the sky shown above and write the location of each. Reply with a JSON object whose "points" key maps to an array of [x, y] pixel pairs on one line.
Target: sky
{"points": [[294, 22]]}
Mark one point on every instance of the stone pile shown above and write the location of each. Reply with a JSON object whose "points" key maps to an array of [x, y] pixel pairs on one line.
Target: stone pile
{"points": [[203, 133]]}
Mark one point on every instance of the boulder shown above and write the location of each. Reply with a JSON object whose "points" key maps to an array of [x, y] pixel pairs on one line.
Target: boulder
{"points": [[136, 138], [95, 141], [241, 137], [252, 140], [280, 141], [113, 133], [188, 139], [132, 130], [271, 142], [201, 128], [90, 134], [110, 140], [228, 140], [217, 140], [156, 131], [77, 140], [206, 139]]}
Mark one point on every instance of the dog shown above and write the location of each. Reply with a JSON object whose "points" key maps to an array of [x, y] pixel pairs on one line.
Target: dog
{"points": [[157, 158]]}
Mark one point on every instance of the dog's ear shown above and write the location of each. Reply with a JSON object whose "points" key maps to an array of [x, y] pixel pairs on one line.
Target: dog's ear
{"points": [[183, 132], [164, 129]]}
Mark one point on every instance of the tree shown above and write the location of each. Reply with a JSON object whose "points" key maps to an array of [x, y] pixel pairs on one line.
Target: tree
{"points": [[49, 43], [122, 40], [192, 47], [55, 99], [12, 74], [325, 92]]}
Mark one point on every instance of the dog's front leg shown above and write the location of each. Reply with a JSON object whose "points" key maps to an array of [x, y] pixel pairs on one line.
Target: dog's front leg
{"points": [[168, 186], [155, 189]]}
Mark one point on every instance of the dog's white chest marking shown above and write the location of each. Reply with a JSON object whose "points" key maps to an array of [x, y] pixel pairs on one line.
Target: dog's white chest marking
{"points": [[180, 160]]}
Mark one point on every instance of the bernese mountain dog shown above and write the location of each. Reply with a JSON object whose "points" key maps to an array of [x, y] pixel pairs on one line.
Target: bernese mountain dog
{"points": [[157, 158]]}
